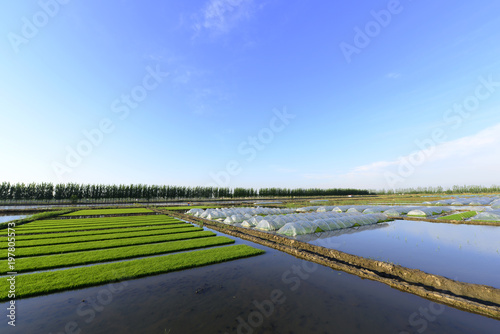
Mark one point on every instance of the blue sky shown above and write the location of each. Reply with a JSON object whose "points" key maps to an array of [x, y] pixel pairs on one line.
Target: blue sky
{"points": [[379, 94]]}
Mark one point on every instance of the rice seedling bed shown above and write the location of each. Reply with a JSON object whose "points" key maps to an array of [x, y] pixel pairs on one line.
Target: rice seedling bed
{"points": [[87, 228], [186, 207], [180, 228], [460, 216], [92, 232], [75, 247], [99, 212], [87, 257], [56, 225], [53, 281], [131, 219]]}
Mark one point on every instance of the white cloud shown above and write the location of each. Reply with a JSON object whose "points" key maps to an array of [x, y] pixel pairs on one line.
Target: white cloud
{"points": [[472, 159], [220, 16], [375, 165]]}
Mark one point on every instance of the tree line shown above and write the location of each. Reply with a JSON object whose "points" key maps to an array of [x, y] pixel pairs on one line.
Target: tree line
{"points": [[74, 191], [474, 189]]}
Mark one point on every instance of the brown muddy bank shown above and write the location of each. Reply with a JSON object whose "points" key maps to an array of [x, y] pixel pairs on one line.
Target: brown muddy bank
{"points": [[463, 222]]}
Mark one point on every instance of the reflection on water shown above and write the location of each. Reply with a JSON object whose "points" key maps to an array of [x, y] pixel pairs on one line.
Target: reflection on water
{"points": [[469, 253], [236, 295], [6, 218]]}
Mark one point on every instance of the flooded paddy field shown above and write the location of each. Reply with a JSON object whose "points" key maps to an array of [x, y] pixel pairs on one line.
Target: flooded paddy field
{"points": [[8, 218], [468, 253], [271, 293], [293, 233]]}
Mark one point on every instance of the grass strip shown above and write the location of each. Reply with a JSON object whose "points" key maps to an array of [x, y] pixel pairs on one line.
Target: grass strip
{"points": [[104, 255], [108, 212], [485, 221], [103, 219], [87, 228], [55, 225], [188, 207], [101, 232], [74, 278], [69, 218], [460, 215], [110, 236], [75, 247]]}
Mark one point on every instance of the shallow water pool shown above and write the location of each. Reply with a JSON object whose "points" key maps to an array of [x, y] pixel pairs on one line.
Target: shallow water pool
{"points": [[469, 253]]}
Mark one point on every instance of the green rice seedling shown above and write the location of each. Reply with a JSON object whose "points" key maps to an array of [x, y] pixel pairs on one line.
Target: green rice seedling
{"points": [[68, 229], [110, 236], [106, 220], [93, 224], [55, 236], [75, 247], [460, 216], [188, 207], [113, 254], [99, 212]]}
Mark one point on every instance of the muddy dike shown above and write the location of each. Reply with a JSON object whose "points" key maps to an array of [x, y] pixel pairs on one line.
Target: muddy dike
{"points": [[476, 298], [462, 222]]}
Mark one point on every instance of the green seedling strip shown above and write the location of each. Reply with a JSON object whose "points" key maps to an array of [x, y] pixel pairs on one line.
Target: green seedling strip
{"points": [[188, 207], [99, 212], [181, 228], [75, 247], [124, 223], [460, 216], [74, 278], [88, 257], [101, 232], [68, 229], [114, 218], [133, 219]]}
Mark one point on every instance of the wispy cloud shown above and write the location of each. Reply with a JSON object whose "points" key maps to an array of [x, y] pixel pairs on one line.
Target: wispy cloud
{"points": [[393, 75], [220, 16], [375, 166], [472, 159]]}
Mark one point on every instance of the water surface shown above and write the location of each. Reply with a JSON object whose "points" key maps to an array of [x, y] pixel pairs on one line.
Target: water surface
{"points": [[8, 218], [216, 299], [469, 253]]}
